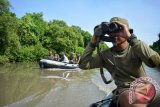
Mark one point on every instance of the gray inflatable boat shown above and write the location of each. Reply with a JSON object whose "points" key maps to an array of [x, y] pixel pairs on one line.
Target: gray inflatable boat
{"points": [[46, 63]]}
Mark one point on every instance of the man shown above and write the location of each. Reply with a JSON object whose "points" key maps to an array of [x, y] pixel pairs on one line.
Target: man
{"points": [[124, 60], [50, 55], [63, 58], [55, 56], [72, 58]]}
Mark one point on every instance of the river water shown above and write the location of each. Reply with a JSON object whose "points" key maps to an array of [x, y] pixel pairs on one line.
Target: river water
{"points": [[25, 85]]}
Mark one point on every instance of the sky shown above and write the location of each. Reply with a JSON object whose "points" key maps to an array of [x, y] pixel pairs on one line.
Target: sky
{"points": [[143, 15]]}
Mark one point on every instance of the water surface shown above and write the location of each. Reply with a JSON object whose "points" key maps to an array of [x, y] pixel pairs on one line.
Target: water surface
{"points": [[25, 85]]}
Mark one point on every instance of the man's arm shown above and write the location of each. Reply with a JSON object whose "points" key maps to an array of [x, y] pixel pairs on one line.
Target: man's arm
{"points": [[87, 61], [145, 53], [142, 50]]}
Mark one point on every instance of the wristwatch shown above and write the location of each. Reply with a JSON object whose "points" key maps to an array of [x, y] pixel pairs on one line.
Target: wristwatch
{"points": [[131, 38]]}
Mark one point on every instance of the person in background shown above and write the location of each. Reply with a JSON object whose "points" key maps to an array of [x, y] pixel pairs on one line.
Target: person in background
{"points": [[50, 55], [124, 61], [63, 58], [72, 58], [55, 56], [78, 58]]}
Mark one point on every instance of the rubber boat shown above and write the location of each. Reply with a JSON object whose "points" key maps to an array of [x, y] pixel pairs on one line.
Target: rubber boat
{"points": [[46, 63], [106, 102]]}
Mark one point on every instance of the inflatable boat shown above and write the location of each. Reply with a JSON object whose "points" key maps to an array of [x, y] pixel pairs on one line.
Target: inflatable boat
{"points": [[46, 63], [106, 102]]}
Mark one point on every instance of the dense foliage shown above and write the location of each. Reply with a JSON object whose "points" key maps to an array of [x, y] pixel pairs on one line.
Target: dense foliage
{"points": [[156, 45], [30, 38], [4, 6]]}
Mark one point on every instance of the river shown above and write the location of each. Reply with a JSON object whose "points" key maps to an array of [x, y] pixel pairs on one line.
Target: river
{"points": [[25, 85]]}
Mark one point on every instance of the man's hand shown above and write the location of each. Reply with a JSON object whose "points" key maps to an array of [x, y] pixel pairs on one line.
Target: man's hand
{"points": [[96, 36], [94, 40], [125, 30]]}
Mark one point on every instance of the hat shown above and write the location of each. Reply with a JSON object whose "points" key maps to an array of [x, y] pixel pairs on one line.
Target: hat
{"points": [[124, 21]]}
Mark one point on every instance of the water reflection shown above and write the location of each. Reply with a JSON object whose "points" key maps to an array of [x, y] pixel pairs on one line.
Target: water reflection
{"points": [[17, 82], [25, 85]]}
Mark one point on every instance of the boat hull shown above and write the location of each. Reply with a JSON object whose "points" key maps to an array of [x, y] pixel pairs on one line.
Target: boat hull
{"points": [[45, 63]]}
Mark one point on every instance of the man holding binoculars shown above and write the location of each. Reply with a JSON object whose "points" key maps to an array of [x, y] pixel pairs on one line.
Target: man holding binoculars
{"points": [[124, 61]]}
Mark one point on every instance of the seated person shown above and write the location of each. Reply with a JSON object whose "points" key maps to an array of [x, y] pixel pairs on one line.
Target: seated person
{"points": [[72, 58], [78, 58], [63, 58], [50, 55], [55, 56]]}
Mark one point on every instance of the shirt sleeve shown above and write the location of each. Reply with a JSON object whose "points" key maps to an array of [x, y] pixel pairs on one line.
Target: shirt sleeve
{"points": [[88, 61], [145, 53]]}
